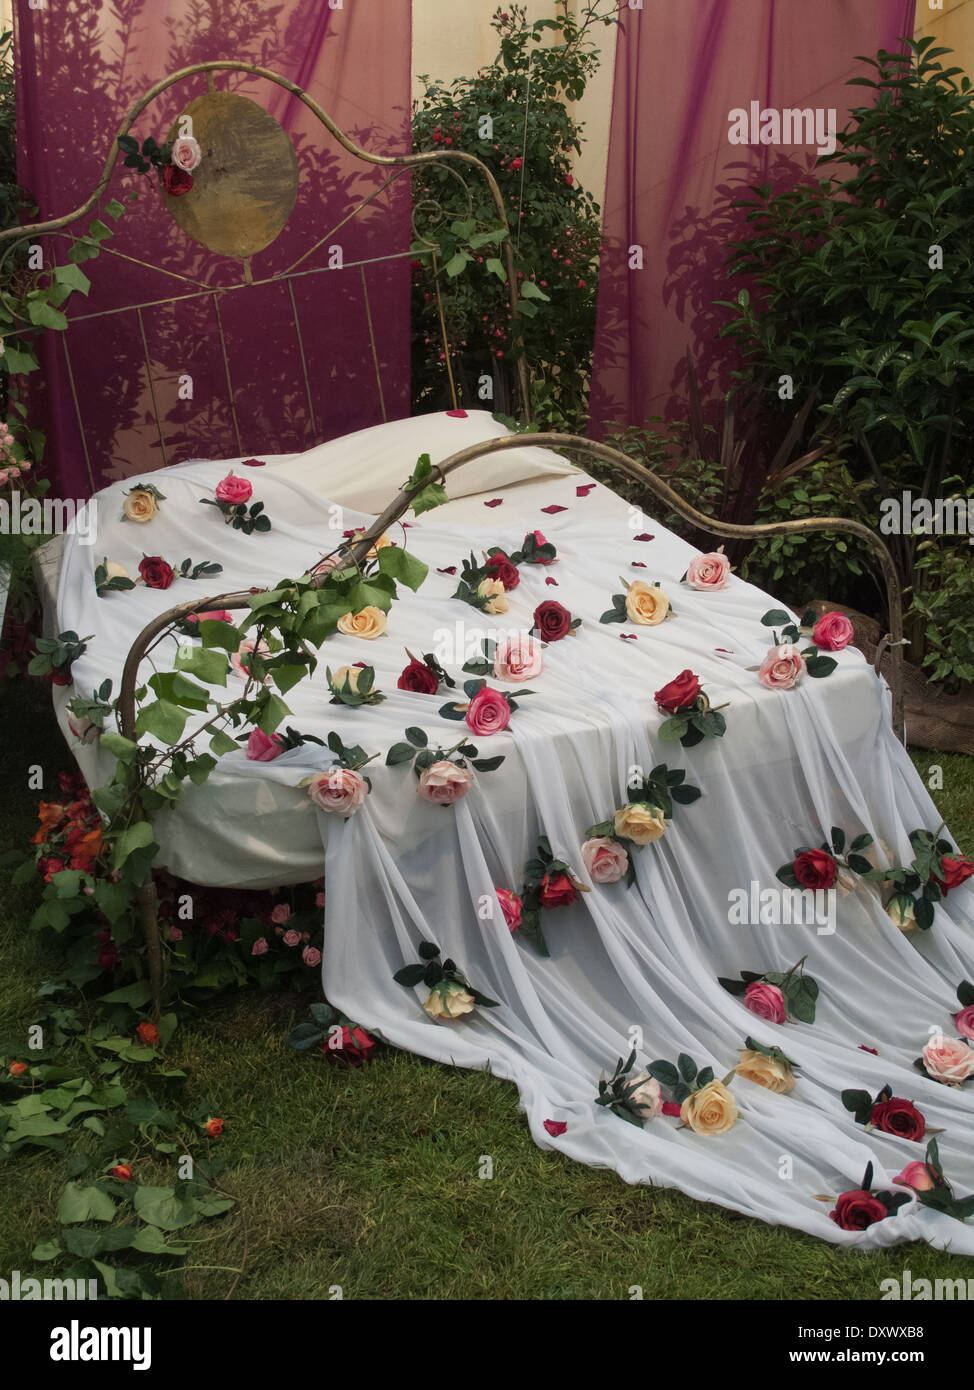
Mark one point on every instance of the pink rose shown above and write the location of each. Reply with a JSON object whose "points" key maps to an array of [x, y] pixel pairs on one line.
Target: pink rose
{"points": [[767, 1001], [510, 906], [186, 153], [948, 1060], [340, 789], [605, 859], [832, 632], [215, 615], [644, 1092], [247, 648], [291, 938], [965, 1022], [259, 947], [488, 712], [279, 914], [708, 571], [444, 782], [311, 956], [782, 668], [915, 1175], [540, 539], [518, 659], [233, 489], [261, 749], [319, 900]]}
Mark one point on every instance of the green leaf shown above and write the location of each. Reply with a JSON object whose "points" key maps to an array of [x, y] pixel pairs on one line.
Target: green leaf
{"points": [[73, 277], [398, 563], [163, 719], [137, 836], [273, 713], [222, 743], [122, 748], [44, 315], [203, 662], [159, 1206], [79, 1203]]}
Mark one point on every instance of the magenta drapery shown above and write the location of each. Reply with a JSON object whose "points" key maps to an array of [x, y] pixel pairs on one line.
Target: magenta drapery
{"points": [[673, 173], [80, 66]]}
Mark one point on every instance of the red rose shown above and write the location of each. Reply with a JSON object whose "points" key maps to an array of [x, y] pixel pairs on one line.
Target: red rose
{"points": [[149, 1034], [155, 572], [176, 181], [418, 677], [107, 957], [122, 1171], [356, 1047], [17, 1068], [552, 620], [856, 1210], [954, 872], [557, 890], [815, 869], [502, 568], [680, 692], [62, 677], [896, 1116], [214, 1128]]}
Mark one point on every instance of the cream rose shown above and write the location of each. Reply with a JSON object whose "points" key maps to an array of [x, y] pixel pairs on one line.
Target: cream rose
{"points": [[339, 789], [494, 592], [709, 571], [765, 1071], [343, 674], [644, 1092], [711, 1110], [449, 1001], [444, 782], [139, 505], [640, 823], [782, 668], [116, 571], [902, 914], [948, 1060], [369, 623], [646, 604]]}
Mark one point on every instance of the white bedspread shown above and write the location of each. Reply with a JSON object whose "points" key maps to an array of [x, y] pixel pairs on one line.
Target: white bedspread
{"points": [[792, 765]]}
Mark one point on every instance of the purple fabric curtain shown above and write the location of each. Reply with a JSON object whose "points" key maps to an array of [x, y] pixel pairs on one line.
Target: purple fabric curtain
{"points": [[265, 385], [673, 172]]}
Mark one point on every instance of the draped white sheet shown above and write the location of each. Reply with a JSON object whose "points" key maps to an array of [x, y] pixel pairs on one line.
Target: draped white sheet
{"points": [[792, 765]]}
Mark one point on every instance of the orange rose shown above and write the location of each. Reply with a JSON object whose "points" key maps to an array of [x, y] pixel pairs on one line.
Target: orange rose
{"points": [[213, 1128], [369, 623]]}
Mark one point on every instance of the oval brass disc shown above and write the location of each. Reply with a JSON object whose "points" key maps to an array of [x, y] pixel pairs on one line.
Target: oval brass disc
{"points": [[246, 183]]}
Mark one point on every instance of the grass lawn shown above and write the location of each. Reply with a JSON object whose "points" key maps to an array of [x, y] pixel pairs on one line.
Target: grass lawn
{"points": [[368, 1180]]}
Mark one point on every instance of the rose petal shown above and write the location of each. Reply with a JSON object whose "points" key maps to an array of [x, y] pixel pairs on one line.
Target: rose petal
{"points": [[494, 502], [670, 1107], [864, 1048], [628, 637], [584, 490], [638, 565], [549, 580], [644, 536], [550, 511], [457, 414], [253, 463], [723, 651], [450, 569], [555, 1127]]}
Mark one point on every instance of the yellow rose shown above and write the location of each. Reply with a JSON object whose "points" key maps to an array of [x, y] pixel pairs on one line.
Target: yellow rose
{"points": [[774, 1075], [640, 823], [139, 505], [646, 603], [343, 674], [377, 545], [902, 915], [711, 1110], [115, 570], [369, 623], [449, 1000], [493, 590]]}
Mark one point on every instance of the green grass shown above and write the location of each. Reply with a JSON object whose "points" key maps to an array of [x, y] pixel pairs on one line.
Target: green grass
{"points": [[369, 1180]]}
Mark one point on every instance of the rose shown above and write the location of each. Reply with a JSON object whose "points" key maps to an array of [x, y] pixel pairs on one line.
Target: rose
{"points": [[518, 659], [18, 1068], [644, 1093], [213, 1128], [259, 947], [605, 860], [488, 712], [492, 592], [420, 678], [709, 571], [679, 693], [954, 872], [233, 489], [291, 938], [379, 544], [832, 632], [139, 505], [540, 540], [504, 569], [261, 749], [902, 912], [156, 574], [965, 1021], [646, 604], [186, 153], [557, 890], [311, 956], [368, 623], [639, 822], [449, 1000], [552, 620], [915, 1175], [355, 1046], [782, 668], [148, 1034], [948, 1060], [815, 869], [113, 570], [176, 181], [213, 615], [711, 1110], [343, 674], [280, 913], [767, 1001], [339, 789], [83, 729], [774, 1074], [247, 648], [856, 1210], [510, 906], [444, 782], [122, 1171], [896, 1116]]}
